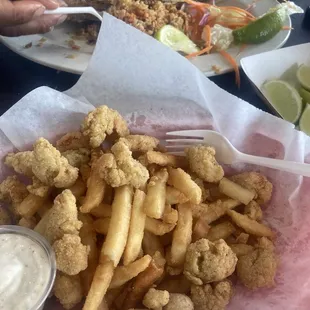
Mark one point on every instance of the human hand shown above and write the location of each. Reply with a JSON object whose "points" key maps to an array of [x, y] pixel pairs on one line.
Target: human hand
{"points": [[26, 16]]}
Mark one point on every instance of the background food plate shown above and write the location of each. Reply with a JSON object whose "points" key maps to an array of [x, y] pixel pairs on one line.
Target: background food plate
{"points": [[271, 68], [56, 53]]}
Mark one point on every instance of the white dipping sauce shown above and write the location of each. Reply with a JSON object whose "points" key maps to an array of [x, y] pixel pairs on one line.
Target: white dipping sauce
{"points": [[25, 271]]}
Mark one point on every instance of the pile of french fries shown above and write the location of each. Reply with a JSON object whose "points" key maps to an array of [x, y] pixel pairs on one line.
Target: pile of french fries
{"points": [[143, 234]]}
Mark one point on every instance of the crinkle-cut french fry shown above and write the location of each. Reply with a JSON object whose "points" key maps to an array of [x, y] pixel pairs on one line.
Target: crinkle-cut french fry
{"points": [[101, 281], [241, 249], [102, 225], [174, 196], [154, 204], [30, 205], [235, 191], [78, 189], [95, 189], [151, 244], [242, 238], [250, 226], [220, 231], [143, 282], [89, 238], [123, 274], [175, 284], [115, 242], [157, 227], [183, 182], [170, 215], [164, 159], [103, 210], [213, 211], [136, 228], [182, 235], [28, 222]]}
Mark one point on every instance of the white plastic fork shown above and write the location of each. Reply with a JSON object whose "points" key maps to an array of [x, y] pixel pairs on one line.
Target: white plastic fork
{"points": [[226, 153], [75, 10]]}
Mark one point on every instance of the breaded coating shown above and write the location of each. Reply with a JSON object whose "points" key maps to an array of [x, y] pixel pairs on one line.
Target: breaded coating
{"points": [[21, 162], [178, 302], [61, 219], [101, 122], [205, 193], [253, 211], [38, 188], [155, 299], [68, 290], [212, 296], [257, 268], [5, 218], [76, 158], [202, 162], [13, 191], [50, 167], [208, 261], [121, 168], [95, 154], [72, 141], [71, 254], [140, 143], [256, 182]]}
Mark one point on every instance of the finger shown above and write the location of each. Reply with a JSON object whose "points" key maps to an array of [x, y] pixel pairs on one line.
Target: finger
{"points": [[19, 12], [40, 25], [51, 4]]}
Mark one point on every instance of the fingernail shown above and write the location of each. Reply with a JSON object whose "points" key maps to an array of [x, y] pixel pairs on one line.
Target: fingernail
{"points": [[61, 19], [39, 11]]}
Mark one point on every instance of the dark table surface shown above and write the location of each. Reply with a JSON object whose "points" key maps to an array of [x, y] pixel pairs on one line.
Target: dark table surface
{"points": [[18, 76]]}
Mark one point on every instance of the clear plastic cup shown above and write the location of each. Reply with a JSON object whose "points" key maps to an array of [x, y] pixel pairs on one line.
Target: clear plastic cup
{"points": [[42, 242]]}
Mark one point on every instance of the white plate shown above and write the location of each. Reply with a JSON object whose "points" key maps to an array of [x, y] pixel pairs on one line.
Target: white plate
{"points": [[54, 51], [272, 65]]}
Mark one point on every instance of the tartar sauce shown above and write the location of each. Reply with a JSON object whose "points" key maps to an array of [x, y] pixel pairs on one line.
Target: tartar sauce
{"points": [[24, 272]]}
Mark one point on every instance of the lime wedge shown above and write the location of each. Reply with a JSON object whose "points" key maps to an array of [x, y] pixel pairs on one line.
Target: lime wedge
{"points": [[284, 98], [305, 95], [304, 123], [303, 76], [176, 39]]}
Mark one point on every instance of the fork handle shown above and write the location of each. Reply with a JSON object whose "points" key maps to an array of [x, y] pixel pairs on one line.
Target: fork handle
{"points": [[283, 165]]}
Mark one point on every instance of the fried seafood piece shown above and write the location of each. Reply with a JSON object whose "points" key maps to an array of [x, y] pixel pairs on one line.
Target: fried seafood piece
{"points": [[155, 299], [77, 158], [208, 261], [61, 219], [71, 254], [253, 211], [178, 302], [72, 141], [121, 168], [38, 188], [140, 143], [21, 162], [214, 296], [13, 191], [257, 183], [101, 122], [202, 162], [258, 268], [68, 290], [50, 167]]}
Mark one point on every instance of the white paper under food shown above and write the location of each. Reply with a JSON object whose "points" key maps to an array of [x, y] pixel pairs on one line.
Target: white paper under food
{"points": [[156, 89]]}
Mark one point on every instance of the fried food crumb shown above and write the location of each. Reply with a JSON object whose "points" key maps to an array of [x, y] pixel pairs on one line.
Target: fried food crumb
{"points": [[208, 261], [38, 188], [256, 182], [178, 302], [155, 299], [68, 289], [202, 162], [71, 254], [212, 296], [101, 122]]}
